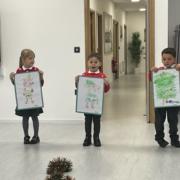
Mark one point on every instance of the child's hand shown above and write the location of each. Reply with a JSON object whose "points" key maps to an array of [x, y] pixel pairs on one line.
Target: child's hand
{"points": [[41, 74], [154, 69], [12, 76], [178, 67], [77, 79]]}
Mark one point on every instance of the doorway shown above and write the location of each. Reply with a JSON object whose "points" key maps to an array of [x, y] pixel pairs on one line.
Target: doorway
{"points": [[116, 46], [99, 37], [125, 49], [92, 32]]}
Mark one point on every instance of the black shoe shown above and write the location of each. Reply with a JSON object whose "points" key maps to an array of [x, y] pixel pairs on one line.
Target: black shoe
{"points": [[162, 143], [97, 142], [26, 139], [87, 141], [35, 140], [175, 143]]}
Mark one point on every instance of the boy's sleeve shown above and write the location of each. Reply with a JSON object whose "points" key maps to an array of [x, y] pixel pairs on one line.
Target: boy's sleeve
{"points": [[106, 87]]}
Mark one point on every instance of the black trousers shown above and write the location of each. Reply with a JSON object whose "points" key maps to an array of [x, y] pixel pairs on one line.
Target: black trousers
{"points": [[172, 117], [88, 123]]}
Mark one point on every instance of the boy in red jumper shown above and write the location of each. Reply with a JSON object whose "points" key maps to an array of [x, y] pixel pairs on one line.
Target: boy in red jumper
{"points": [[169, 62], [94, 63]]}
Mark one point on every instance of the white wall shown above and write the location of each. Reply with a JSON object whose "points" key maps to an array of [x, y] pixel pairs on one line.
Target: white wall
{"points": [[161, 28], [135, 23], [173, 20], [51, 28]]}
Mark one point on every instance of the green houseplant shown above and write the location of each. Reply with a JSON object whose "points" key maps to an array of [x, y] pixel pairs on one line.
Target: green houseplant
{"points": [[135, 48]]}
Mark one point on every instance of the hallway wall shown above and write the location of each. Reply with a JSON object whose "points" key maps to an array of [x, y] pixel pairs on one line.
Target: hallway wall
{"points": [[51, 28], [161, 29]]}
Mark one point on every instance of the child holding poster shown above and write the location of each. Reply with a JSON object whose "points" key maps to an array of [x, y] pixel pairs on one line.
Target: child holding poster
{"points": [[26, 64], [169, 61], [94, 64]]}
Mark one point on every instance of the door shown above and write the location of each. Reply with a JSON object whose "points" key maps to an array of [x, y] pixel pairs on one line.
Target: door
{"points": [[92, 32], [116, 45], [100, 38], [125, 49]]}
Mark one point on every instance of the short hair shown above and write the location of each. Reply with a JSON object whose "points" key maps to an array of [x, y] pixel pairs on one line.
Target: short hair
{"points": [[169, 50], [96, 55]]}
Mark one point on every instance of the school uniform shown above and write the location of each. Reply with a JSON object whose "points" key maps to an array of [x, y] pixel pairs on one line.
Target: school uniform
{"points": [[172, 117], [95, 118], [27, 113]]}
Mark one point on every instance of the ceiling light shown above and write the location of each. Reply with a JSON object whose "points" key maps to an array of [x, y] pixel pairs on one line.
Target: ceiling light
{"points": [[135, 0], [142, 9]]}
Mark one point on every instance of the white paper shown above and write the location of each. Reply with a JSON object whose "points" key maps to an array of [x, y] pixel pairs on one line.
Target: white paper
{"points": [[28, 90], [90, 95], [166, 88]]}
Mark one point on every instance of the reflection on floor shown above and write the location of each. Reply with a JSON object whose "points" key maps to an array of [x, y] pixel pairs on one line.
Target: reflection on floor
{"points": [[128, 149], [126, 99]]}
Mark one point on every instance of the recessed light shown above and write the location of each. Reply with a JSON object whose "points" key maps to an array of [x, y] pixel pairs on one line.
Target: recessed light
{"points": [[135, 0], [142, 9]]}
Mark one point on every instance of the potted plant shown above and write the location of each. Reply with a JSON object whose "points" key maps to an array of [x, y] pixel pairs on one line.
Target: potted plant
{"points": [[135, 48]]}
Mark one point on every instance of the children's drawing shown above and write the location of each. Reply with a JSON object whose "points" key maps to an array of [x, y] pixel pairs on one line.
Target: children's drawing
{"points": [[28, 90], [166, 88], [90, 95]]}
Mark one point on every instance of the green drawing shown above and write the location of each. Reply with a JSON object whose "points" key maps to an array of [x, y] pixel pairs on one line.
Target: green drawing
{"points": [[165, 85]]}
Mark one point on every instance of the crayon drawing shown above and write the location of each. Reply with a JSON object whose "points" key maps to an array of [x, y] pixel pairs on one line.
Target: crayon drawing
{"points": [[90, 95], [166, 88], [28, 90]]}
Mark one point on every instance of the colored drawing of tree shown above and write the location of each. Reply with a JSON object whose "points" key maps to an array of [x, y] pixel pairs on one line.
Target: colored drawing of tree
{"points": [[165, 86]]}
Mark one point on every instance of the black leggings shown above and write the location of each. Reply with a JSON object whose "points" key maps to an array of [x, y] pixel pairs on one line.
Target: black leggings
{"points": [[25, 124]]}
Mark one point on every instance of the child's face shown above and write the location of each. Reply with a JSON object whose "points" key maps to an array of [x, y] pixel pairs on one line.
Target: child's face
{"points": [[93, 64], [168, 60], [28, 62]]}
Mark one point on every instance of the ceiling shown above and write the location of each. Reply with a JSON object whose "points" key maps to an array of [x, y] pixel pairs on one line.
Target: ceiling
{"points": [[127, 5]]}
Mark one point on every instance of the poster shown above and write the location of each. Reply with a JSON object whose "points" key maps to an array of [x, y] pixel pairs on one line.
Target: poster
{"points": [[108, 28], [90, 95], [28, 90], [166, 88]]}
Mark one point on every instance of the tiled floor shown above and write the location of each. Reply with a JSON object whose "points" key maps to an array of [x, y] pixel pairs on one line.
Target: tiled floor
{"points": [[128, 149]]}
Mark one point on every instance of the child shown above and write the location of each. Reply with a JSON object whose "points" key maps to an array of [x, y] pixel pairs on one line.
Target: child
{"points": [[169, 61], [26, 63], [94, 63]]}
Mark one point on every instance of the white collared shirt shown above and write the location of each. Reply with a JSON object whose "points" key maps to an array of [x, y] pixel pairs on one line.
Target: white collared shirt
{"points": [[172, 66], [24, 68], [97, 72]]}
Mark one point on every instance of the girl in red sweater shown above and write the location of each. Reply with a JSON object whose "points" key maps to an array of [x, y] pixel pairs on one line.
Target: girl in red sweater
{"points": [[26, 64], [94, 64]]}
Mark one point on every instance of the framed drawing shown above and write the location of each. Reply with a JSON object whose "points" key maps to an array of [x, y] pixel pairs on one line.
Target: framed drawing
{"points": [[90, 95], [166, 88], [28, 91], [107, 33]]}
